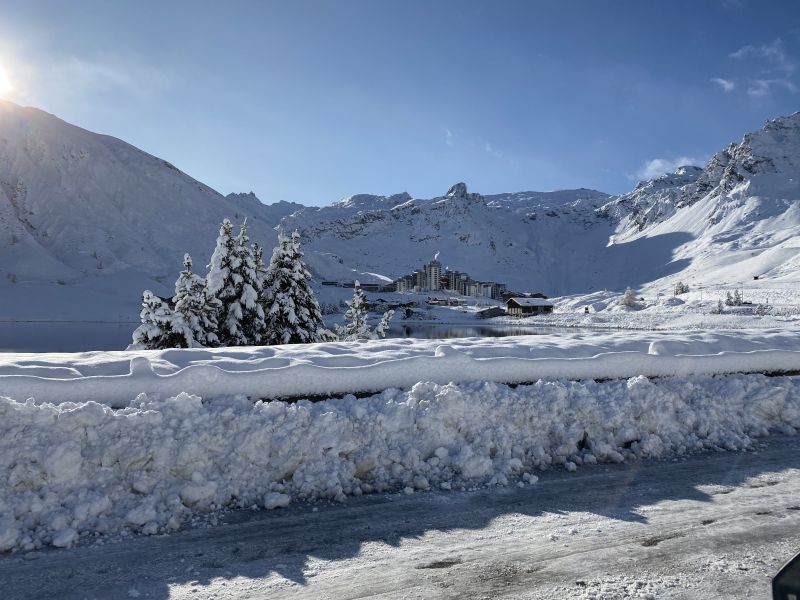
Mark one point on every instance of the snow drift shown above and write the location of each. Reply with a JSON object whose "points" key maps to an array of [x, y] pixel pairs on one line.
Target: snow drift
{"points": [[71, 470], [303, 370]]}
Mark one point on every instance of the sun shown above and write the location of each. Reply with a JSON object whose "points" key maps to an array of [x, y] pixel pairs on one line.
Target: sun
{"points": [[5, 83]]}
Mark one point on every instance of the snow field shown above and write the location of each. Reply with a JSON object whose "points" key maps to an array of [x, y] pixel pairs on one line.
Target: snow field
{"points": [[303, 370], [75, 470]]}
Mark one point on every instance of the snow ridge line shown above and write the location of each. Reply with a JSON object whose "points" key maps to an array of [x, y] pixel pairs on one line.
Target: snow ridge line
{"points": [[448, 365]]}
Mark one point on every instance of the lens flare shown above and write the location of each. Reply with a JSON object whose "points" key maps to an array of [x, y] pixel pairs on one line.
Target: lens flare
{"points": [[5, 83]]}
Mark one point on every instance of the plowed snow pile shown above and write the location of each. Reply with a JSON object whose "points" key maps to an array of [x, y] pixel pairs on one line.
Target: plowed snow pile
{"points": [[70, 470]]}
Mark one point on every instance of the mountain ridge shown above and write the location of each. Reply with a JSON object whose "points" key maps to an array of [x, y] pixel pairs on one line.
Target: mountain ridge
{"points": [[85, 215]]}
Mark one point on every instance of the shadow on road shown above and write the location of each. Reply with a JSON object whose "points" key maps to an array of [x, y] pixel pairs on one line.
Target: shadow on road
{"points": [[256, 545]]}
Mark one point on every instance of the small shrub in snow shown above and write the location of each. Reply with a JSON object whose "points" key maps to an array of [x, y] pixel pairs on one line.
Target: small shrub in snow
{"points": [[734, 299], [681, 288], [383, 327], [628, 299]]}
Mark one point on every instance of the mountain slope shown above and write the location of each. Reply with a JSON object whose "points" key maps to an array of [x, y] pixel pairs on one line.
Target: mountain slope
{"points": [[742, 210], [88, 221], [88, 210], [551, 241], [734, 219]]}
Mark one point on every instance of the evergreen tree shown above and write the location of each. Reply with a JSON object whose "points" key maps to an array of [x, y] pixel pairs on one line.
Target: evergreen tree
{"points": [[261, 269], [293, 314], [161, 328], [252, 319], [221, 283], [232, 279], [629, 299], [192, 303], [356, 327], [737, 298], [383, 327], [728, 299]]}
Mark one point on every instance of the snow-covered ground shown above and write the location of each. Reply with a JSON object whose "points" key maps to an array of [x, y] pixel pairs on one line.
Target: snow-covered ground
{"points": [[771, 306], [713, 525], [303, 370], [70, 471]]}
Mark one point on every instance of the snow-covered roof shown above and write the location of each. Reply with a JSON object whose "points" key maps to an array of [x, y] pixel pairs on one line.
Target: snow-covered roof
{"points": [[531, 301]]}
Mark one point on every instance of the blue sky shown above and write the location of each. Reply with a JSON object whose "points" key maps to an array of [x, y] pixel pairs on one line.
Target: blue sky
{"points": [[314, 100]]}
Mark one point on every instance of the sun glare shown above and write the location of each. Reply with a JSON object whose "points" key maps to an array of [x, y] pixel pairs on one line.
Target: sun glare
{"points": [[5, 83]]}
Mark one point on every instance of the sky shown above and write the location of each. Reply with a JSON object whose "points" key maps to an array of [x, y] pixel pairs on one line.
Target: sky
{"points": [[311, 101]]}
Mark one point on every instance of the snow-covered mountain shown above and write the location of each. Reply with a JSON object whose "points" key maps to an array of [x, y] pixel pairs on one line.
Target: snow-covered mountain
{"points": [[515, 238], [737, 218], [742, 211], [88, 221]]}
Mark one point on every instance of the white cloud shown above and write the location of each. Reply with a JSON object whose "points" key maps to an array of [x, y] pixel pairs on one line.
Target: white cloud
{"points": [[448, 137], [659, 166], [759, 88], [491, 151], [727, 85], [774, 62], [773, 54]]}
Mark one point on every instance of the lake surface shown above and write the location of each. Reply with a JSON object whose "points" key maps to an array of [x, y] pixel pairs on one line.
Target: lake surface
{"points": [[84, 337], [430, 331], [64, 336]]}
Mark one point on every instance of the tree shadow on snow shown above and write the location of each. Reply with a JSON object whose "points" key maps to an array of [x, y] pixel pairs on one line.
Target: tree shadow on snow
{"points": [[284, 543]]}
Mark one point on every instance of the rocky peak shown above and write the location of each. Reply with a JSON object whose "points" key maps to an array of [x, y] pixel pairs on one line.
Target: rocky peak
{"points": [[459, 192]]}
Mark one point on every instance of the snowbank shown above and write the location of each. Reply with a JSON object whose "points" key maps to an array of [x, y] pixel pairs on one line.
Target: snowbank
{"points": [[302, 370], [70, 470]]}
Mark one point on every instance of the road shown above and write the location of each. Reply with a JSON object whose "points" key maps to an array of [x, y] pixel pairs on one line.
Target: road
{"points": [[714, 525]]}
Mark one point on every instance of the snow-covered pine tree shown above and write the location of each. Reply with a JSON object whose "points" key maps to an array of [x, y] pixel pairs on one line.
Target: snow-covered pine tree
{"points": [[293, 314], [356, 327], [628, 299], [728, 299], [231, 278], [719, 309], [737, 298], [192, 303], [161, 328], [383, 327], [221, 283], [261, 269], [252, 320]]}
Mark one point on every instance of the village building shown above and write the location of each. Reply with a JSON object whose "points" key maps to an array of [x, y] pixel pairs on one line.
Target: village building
{"points": [[431, 278], [525, 307]]}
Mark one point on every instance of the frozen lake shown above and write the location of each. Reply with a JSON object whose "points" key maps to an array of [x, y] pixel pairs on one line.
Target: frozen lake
{"points": [[87, 336]]}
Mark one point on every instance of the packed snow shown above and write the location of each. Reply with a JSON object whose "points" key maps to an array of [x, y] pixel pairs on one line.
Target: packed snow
{"points": [[303, 370], [73, 470]]}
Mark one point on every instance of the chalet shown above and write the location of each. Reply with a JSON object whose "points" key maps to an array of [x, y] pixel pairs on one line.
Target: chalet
{"points": [[488, 313], [509, 294], [524, 307]]}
